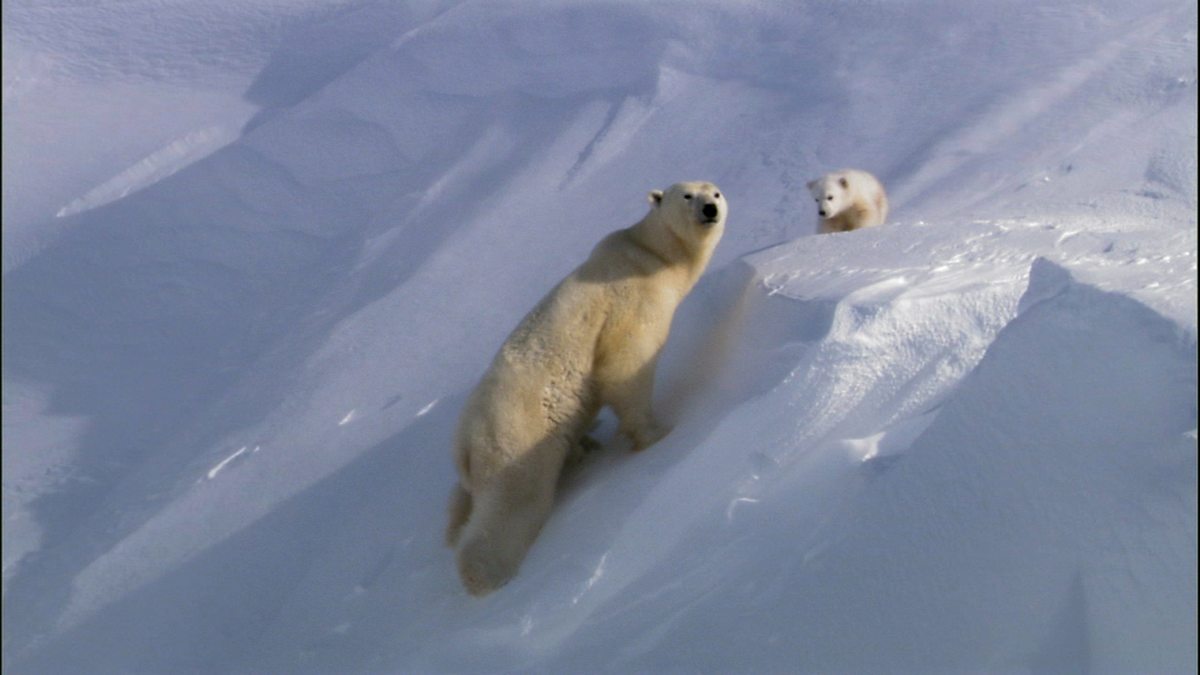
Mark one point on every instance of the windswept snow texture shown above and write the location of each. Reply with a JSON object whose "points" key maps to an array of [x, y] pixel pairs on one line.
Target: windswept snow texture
{"points": [[258, 252]]}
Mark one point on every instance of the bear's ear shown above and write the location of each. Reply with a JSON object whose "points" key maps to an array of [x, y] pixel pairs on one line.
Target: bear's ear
{"points": [[655, 197], [843, 182], [812, 185]]}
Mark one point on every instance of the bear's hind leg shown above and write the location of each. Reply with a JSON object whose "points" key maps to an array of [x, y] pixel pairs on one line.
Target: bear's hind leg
{"points": [[580, 449], [506, 519]]}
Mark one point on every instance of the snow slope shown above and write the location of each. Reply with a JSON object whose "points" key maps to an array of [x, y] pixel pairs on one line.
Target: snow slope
{"points": [[102, 99], [233, 361]]}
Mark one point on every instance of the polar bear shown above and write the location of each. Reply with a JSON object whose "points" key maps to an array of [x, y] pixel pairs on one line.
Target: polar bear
{"points": [[592, 341], [849, 199]]}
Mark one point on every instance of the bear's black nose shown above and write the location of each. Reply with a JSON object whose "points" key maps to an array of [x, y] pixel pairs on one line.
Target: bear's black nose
{"points": [[709, 211], [822, 212]]}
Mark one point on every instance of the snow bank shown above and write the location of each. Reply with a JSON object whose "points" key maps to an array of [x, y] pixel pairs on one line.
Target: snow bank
{"points": [[1028, 520]]}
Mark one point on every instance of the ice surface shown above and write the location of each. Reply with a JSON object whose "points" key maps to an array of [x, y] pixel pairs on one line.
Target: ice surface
{"points": [[257, 253]]}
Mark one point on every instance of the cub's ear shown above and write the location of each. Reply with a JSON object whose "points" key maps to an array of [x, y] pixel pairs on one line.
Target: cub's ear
{"points": [[843, 182], [655, 197]]}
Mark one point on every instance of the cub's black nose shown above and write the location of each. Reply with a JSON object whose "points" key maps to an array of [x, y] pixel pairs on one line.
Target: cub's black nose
{"points": [[822, 212], [709, 211]]}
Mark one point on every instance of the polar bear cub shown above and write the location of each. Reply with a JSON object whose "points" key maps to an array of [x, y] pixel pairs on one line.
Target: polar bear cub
{"points": [[847, 200], [593, 341]]}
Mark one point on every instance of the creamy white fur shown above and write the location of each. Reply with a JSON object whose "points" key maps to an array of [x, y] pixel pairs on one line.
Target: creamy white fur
{"points": [[849, 199], [593, 341]]}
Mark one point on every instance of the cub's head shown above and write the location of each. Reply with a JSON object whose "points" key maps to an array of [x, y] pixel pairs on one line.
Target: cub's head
{"points": [[831, 192], [691, 210]]}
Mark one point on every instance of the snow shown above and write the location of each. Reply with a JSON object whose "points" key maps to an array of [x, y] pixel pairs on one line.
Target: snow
{"points": [[257, 253]]}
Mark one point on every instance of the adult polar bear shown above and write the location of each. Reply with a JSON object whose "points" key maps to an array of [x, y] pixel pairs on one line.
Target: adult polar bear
{"points": [[592, 341]]}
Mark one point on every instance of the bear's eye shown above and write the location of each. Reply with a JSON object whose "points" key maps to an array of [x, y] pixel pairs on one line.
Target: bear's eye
{"points": [[829, 198], [716, 195], [687, 195]]}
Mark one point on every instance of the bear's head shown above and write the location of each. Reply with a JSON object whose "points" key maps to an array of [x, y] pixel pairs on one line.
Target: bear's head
{"points": [[692, 210], [831, 194]]}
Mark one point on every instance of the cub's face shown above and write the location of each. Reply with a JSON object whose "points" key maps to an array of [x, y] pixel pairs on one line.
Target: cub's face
{"points": [[692, 209], [830, 194]]}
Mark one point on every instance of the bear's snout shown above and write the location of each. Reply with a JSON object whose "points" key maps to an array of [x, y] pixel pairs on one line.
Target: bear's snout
{"points": [[710, 211], [822, 212]]}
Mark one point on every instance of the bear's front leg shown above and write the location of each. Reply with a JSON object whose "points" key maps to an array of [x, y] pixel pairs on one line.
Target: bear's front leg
{"points": [[646, 435], [631, 401]]}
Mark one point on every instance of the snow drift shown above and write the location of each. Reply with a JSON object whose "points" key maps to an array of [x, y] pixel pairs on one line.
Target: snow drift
{"points": [[965, 440]]}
